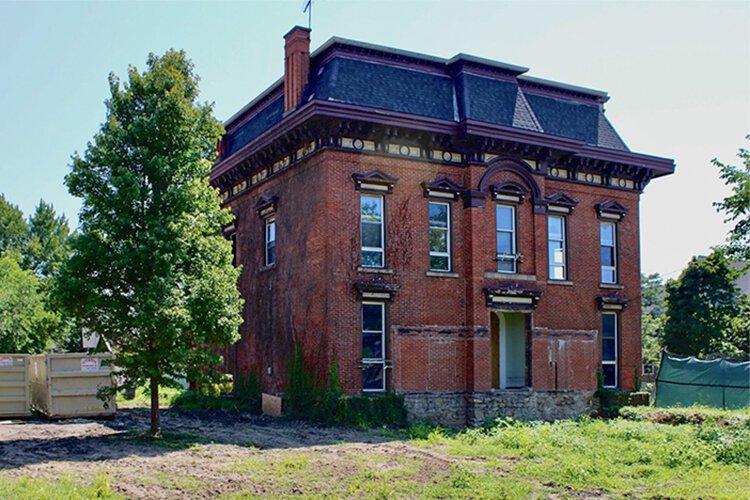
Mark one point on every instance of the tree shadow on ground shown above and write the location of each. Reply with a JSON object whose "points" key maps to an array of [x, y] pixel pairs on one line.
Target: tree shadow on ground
{"points": [[81, 440]]}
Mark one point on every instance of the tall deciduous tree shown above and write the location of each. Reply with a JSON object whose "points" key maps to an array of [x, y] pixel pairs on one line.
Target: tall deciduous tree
{"points": [[702, 305], [150, 270], [26, 325], [47, 246], [652, 316], [13, 228], [737, 204]]}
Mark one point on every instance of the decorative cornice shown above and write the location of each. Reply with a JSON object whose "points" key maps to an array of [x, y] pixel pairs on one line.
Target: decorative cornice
{"points": [[612, 302], [266, 205], [375, 289], [461, 131], [560, 203], [513, 296], [374, 180], [442, 188], [610, 209], [508, 191]]}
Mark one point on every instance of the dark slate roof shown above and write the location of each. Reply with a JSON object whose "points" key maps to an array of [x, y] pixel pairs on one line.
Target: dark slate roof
{"points": [[382, 86], [566, 118], [264, 119], [487, 99], [461, 88]]}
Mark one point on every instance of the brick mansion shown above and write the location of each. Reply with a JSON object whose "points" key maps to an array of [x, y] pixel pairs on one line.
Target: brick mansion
{"points": [[452, 230]]}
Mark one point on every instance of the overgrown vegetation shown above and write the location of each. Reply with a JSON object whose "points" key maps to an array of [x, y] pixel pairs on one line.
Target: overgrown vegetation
{"points": [[243, 395], [736, 206], [617, 457], [320, 398], [691, 415]]}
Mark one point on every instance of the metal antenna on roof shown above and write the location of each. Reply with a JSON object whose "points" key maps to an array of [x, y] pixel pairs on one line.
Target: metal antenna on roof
{"points": [[308, 9]]}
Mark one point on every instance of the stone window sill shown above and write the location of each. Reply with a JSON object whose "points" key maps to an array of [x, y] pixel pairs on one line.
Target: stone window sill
{"points": [[613, 286], [441, 274], [510, 276], [374, 270], [265, 269], [560, 282]]}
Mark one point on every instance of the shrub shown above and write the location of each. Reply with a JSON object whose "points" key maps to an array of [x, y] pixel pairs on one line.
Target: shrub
{"points": [[322, 399], [247, 391]]}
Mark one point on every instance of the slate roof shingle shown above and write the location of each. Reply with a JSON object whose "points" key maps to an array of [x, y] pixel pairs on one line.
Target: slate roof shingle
{"points": [[446, 94]]}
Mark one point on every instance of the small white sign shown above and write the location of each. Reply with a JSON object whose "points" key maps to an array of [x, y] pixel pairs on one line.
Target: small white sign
{"points": [[6, 362], [89, 364]]}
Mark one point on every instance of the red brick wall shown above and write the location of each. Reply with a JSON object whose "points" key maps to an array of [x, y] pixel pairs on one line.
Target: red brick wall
{"points": [[438, 327]]}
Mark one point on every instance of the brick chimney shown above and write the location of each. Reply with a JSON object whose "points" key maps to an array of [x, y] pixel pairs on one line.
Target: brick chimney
{"points": [[296, 65]]}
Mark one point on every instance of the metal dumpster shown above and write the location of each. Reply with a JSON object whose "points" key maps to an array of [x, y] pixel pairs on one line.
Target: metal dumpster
{"points": [[66, 385], [15, 397]]}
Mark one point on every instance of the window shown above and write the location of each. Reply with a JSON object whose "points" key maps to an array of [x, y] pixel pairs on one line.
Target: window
{"points": [[270, 241], [440, 236], [608, 246], [373, 346], [233, 239], [506, 238], [609, 349], [556, 247], [371, 231]]}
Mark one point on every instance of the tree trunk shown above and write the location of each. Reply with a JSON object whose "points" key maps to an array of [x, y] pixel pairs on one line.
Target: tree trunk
{"points": [[155, 422]]}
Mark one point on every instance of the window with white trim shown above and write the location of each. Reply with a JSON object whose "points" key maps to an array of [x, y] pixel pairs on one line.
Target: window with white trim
{"points": [[373, 346], [372, 231], [556, 247], [270, 246], [506, 238], [609, 349], [233, 239], [440, 236], [608, 251]]}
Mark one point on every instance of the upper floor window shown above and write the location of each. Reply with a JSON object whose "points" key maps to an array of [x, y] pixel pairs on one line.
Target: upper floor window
{"points": [[609, 349], [506, 238], [608, 250], [440, 236], [372, 231], [233, 239], [556, 247], [270, 239]]}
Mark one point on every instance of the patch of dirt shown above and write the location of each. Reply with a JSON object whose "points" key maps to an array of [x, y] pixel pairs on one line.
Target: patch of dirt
{"points": [[208, 454]]}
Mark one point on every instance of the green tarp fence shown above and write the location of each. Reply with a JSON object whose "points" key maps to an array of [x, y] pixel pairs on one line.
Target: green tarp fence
{"points": [[689, 381]]}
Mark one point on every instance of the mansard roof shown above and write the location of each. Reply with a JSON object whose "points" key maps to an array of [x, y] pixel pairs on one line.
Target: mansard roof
{"points": [[463, 87], [461, 95]]}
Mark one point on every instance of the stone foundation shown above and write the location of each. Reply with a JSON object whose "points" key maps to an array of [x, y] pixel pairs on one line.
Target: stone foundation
{"points": [[461, 409]]}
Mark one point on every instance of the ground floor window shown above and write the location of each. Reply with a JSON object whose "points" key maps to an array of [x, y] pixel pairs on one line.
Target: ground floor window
{"points": [[373, 346], [609, 349]]}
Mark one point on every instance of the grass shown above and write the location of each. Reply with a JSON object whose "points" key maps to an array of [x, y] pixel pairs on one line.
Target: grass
{"points": [[64, 488], [618, 457], [142, 399], [707, 457], [689, 415]]}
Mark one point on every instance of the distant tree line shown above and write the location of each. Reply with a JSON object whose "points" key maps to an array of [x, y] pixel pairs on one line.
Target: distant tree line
{"points": [[703, 313], [32, 252]]}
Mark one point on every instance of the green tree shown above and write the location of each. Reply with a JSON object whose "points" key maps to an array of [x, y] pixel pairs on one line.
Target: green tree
{"points": [[13, 228], [150, 271], [47, 245], [701, 307], [737, 205], [25, 323], [653, 308]]}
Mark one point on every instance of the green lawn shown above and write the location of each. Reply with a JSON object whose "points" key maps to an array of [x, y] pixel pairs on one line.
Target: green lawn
{"points": [[635, 457]]}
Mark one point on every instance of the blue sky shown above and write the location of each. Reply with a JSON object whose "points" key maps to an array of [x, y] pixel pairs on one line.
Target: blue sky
{"points": [[678, 74]]}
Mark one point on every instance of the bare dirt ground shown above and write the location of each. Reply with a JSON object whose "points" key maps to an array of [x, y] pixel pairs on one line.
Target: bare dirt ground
{"points": [[210, 454]]}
